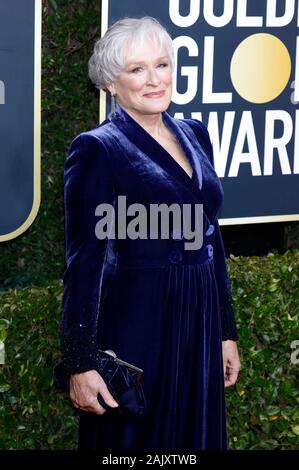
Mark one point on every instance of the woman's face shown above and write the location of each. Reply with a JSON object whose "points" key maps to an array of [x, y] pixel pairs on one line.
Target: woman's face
{"points": [[144, 86]]}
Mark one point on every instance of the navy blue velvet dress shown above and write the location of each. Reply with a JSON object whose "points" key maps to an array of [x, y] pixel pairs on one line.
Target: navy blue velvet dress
{"points": [[157, 305]]}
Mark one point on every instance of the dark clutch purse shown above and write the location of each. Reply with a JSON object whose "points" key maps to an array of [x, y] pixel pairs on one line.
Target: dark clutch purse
{"points": [[122, 379]]}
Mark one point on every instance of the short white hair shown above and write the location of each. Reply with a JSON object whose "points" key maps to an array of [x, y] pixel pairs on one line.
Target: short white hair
{"points": [[108, 58]]}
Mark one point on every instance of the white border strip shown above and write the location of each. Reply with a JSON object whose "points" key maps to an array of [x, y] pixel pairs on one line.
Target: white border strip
{"points": [[259, 219]]}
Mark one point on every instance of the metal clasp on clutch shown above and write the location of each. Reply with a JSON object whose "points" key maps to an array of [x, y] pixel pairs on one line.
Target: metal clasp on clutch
{"points": [[121, 362]]}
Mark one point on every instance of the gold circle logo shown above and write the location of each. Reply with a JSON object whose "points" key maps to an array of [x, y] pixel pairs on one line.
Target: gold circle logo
{"points": [[260, 68]]}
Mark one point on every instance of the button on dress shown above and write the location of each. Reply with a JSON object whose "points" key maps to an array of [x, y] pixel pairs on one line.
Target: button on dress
{"points": [[158, 305]]}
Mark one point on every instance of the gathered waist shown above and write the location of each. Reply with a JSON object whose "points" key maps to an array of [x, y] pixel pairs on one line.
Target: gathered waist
{"points": [[176, 256]]}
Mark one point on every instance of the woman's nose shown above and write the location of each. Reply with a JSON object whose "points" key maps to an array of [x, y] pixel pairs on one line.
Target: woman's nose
{"points": [[153, 77]]}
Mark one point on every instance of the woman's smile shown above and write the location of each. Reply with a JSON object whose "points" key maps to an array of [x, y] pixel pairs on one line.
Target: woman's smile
{"points": [[155, 94]]}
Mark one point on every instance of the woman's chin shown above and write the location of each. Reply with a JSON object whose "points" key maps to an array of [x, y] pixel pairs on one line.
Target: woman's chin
{"points": [[157, 107]]}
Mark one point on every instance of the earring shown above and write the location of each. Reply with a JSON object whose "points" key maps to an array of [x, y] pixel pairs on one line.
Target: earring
{"points": [[113, 104]]}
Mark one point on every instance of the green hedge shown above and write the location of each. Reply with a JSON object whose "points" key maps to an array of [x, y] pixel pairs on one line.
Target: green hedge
{"points": [[32, 414], [262, 409]]}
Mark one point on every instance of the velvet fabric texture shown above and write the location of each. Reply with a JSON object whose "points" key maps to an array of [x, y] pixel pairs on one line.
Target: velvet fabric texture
{"points": [[157, 305]]}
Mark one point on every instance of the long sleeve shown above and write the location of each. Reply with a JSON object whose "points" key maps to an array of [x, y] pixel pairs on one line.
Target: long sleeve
{"points": [[228, 323], [87, 183]]}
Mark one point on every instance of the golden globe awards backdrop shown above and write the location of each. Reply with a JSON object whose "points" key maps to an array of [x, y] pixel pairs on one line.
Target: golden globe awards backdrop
{"points": [[238, 72], [20, 53]]}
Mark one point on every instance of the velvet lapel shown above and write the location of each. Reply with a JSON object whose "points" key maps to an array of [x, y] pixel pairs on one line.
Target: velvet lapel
{"points": [[186, 145], [139, 137]]}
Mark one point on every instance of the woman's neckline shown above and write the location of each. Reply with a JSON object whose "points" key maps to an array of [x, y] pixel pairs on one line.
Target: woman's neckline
{"points": [[121, 113]]}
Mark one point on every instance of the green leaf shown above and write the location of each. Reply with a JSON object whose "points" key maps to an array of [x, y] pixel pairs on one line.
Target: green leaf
{"points": [[4, 324], [53, 4], [4, 388]]}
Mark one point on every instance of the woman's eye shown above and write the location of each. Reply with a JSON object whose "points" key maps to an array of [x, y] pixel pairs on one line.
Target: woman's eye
{"points": [[137, 69]]}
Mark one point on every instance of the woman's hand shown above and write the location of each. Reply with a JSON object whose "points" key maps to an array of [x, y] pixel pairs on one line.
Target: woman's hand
{"points": [[231, 362], [84, 389]]}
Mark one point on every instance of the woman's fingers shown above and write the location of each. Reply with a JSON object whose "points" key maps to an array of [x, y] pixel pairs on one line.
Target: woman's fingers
{"points": [[231, 376], [90, 405], [84, 390], [95, 407], [106, 395], [231, 362]]}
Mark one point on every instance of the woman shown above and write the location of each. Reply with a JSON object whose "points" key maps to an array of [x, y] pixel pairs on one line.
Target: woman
{"points": [[158, 305]]}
